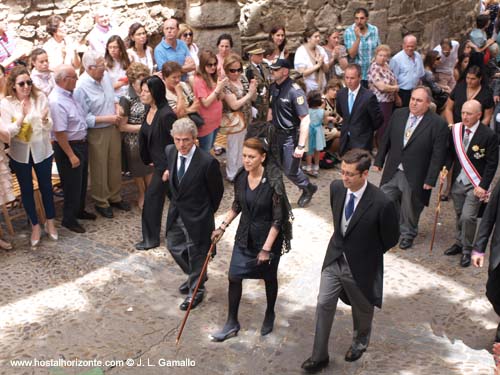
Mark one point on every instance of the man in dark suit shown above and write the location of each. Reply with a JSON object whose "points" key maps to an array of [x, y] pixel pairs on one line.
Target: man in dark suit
{"points": [[491, 218], [195, 191], [360, 110], [473, 151], [415, 148], [365, 226]]}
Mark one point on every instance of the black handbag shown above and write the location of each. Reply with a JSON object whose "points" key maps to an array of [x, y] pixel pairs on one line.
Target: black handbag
{"points": [[196, 118]]}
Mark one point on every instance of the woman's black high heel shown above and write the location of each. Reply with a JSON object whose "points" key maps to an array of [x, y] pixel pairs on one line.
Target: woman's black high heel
{"points": [[226, 333]]}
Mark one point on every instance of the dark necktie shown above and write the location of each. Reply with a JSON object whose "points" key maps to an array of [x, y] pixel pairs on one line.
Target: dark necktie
{"points": [[182, 168], [349, 208], [261, 71]]}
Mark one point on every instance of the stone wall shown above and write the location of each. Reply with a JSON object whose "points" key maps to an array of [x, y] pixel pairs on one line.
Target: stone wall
{"points": [[249, 21]]}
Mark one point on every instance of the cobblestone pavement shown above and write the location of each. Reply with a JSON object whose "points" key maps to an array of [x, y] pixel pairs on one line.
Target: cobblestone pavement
{"points": [[92, 296]]}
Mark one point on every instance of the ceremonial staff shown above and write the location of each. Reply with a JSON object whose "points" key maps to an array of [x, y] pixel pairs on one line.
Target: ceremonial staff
{"points": [[442, 176], [202, 275]]}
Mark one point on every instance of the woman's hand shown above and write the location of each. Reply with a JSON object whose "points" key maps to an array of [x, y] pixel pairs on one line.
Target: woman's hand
{"points": [[217, 235], [165, 175], [252, 90], [195, 107], [263, 257]]}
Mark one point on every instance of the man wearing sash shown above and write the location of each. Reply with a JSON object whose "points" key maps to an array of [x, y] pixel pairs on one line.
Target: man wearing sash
{"points": [[473, 152], [415, 147]]}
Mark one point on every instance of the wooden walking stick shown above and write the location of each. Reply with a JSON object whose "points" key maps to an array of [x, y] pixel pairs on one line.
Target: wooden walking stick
{"points": [[442, 176], [202, 275]]}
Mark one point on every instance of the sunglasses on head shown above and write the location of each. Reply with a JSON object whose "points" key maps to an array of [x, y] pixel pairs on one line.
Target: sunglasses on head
{"points": [[185, 35], [239, 70], [22, 83]]}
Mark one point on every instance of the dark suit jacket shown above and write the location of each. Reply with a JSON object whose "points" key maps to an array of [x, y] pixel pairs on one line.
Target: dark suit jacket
{"points": [[422, 157], [373, 229], [359, 126], [197, 197], [491, 217], [485, 163], [154, 137]]}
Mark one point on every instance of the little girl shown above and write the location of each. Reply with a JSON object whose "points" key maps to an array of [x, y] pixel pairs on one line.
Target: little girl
{"points": [[316, 134], [41, 76], [117, 63]]}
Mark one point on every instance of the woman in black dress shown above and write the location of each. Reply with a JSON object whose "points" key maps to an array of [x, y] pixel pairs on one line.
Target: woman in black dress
{"points": [[263, 232], [154, 136]]}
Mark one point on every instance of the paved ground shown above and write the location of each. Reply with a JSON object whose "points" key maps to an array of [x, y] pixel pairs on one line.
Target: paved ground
{"points": [[93, 297]]}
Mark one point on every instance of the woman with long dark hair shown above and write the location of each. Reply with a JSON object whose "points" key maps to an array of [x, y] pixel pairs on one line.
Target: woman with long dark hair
{"points": [[277, 35], [154, 136], [138, 50], [117, 63], [263, 233]]}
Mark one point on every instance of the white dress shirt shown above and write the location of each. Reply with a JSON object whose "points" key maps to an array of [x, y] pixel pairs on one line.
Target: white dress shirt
{"points": [[188, 157], [357, 197]]}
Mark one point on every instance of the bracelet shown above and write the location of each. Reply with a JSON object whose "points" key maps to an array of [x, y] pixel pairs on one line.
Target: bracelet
{"points": [[267, 251], [225, 225], [220, 228]]}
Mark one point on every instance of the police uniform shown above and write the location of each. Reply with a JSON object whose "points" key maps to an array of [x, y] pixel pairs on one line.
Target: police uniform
{"points": [[288, 104], [261, 73]]}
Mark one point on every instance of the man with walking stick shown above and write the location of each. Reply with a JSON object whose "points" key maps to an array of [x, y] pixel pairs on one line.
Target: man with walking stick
{"points": [[413, 151], [195, 191]]}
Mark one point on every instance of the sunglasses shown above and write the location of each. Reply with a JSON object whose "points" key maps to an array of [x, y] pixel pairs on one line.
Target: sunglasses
{"points": [[211, 65], [185, 35], [438, 58], [239, 70], [22, 83]]}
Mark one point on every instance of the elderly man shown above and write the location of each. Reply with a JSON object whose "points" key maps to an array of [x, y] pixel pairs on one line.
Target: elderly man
{"points": [[473, 152], [70, 147], [195, 191], [408, 67], [96, 95], [102, 31], [413, 151], [361, 39], [172, 49]]}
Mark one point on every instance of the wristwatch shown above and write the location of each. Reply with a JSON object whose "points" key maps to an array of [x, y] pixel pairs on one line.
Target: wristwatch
{"points": [[301, 147]]}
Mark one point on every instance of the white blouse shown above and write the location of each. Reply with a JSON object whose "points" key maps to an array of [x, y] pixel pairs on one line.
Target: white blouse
{"points": [[146, 60], [39, 145]]}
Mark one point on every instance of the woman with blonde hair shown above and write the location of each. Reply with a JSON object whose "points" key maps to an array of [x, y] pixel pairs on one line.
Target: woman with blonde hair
{"points": [[186, 35]]}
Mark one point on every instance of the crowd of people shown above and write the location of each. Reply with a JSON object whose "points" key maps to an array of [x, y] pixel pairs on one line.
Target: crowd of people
{"points": [[155, 112]]}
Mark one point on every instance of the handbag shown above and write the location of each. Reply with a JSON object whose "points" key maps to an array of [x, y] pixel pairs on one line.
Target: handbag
{"points": [[196, 118], [232, 123]]}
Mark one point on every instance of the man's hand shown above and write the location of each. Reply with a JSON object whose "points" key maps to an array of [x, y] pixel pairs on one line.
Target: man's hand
{"points": [[165, 176], [75, 162], [378, 169], [298, 153], [479, 192], [496, 99], [263, 257], [427, 187], [477, 260], [357, 32], [217, 235]]}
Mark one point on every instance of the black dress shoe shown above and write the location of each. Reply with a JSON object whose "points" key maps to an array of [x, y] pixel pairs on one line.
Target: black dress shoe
{"points": [[497, 336], [465, 260], [307, 194], [313, 367], [405, 243], [196, 301], [106, 212], [227, 332], [84, 215], [143, 245], [77, 228], [184, 288], [354, 354], [453, 250], [121, 205], [268, 324]]}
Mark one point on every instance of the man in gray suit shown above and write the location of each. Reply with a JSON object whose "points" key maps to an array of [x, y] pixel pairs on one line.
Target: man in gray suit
{"points": [[365, 226]]}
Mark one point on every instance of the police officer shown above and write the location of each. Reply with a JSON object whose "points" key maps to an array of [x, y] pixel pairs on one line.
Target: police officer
{"points": [[289, 114], [259, 70]]}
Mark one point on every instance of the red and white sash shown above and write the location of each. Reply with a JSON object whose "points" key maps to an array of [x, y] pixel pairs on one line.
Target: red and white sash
{"points": [[467, 166]]}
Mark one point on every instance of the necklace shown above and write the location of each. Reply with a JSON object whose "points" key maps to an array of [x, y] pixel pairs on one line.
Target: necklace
{"points": [[473, 95]]}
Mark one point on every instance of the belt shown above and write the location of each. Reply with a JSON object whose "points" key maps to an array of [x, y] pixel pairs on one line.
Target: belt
{"points": [[77, 142]]}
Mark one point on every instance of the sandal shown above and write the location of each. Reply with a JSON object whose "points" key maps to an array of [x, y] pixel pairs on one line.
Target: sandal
{"points": [[218, 151], [5, 245]]}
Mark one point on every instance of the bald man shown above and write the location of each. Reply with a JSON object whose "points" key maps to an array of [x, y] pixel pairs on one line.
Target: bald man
{"points": [[70, 147], [408, 67], [473, 152]]}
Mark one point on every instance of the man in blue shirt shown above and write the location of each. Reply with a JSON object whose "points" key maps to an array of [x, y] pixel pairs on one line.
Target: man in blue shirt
{"points": [[172, 49], [361, 39], [408, 67]]}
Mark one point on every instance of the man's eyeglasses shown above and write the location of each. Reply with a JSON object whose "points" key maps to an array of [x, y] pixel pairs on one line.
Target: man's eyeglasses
{"points": [[22, 83], [239, 70], [349, 174], [185, 35], [100, 66]]}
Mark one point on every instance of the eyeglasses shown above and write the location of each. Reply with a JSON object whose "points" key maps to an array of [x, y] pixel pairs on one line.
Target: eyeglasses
{"points": [[100, 66], [239, 70], [22, 83], [72, 77], [349, 174], [212, 65], [185, 35]]}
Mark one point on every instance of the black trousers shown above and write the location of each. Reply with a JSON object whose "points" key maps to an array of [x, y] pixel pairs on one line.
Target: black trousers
{"points": [[74, 180], [405, 96], [154, 199]]}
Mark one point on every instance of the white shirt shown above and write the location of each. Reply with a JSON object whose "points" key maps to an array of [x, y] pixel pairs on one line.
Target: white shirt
{"points": [[357, 197], [472, 130], [302, 60], [39, 145], [59, 53], [188, 157], [448, 62], [146, 60]]}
